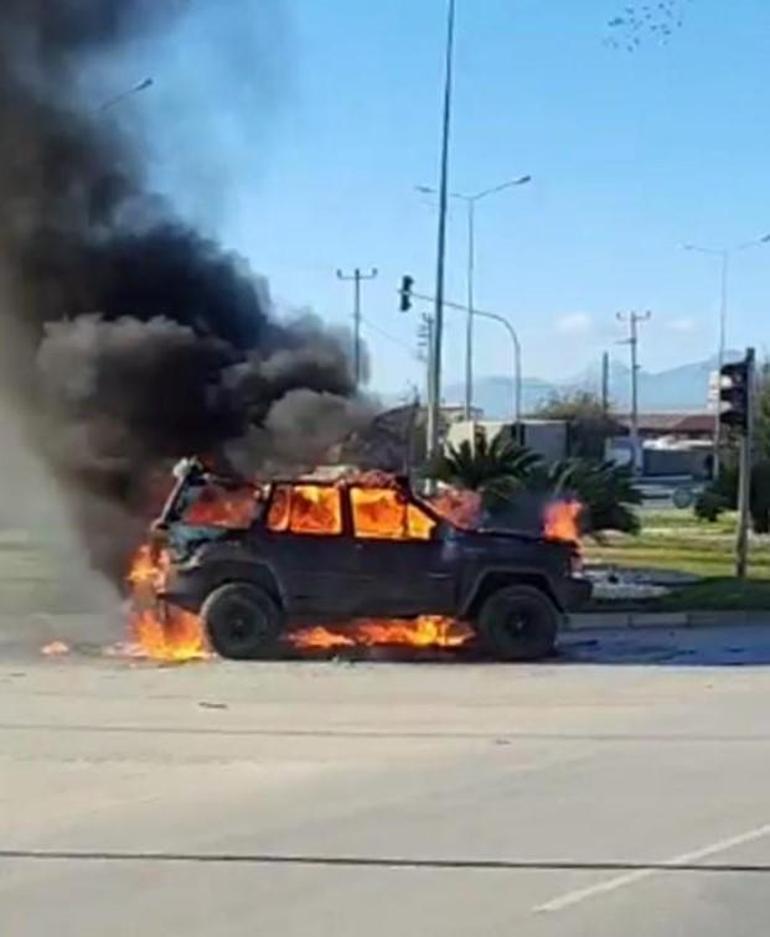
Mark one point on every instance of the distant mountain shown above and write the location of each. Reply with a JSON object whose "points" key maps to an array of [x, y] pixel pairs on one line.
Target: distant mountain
{"points": [[681, 388]]}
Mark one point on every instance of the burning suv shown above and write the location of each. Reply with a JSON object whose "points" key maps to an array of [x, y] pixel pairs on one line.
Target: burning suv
{"points": [[259, 562]]}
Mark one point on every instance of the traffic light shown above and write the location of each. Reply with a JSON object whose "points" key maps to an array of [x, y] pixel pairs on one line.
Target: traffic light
{"points": [[406, 293], [734, 395]]}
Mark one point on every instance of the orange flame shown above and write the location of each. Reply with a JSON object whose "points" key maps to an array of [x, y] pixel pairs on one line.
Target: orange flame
{"points": [[215, 507], [306, 509], [56, 649], [461, 507], [319, 639], [562, 521], [424, 632], [160, 631]]}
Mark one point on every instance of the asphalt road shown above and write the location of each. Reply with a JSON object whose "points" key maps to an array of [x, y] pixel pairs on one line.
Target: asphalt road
{"points": [[620, 791]]}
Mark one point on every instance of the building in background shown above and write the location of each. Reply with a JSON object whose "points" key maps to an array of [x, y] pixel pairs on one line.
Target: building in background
{"points": [[673, 444]]}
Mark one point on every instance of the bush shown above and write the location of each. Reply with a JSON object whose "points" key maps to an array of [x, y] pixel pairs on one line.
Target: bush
{"points": [[722, 495], [726, 486], [709, 505]]}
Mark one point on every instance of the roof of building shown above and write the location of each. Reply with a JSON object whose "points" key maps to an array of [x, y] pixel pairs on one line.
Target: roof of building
{"points": [[673, 423]]}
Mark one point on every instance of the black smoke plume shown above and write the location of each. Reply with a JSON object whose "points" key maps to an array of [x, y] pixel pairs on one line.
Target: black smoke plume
{"points": [[128, 337]]}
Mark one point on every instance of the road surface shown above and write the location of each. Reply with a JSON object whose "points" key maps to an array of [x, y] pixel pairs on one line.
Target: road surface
{"points": [[620, 791]]}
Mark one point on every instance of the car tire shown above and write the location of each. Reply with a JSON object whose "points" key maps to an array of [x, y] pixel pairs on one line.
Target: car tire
{"points": [[518, 623], [243, 621]]}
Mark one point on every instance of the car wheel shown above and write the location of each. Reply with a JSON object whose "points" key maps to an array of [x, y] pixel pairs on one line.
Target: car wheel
{"points": [[519, 623], [243, 621]]}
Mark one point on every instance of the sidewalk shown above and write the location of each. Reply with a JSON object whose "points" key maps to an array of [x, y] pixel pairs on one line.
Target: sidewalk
{"points": [[596, 620]]}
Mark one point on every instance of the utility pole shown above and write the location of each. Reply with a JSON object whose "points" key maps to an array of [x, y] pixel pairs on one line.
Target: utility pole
{"points": [[744, 481], [632, 341], [425, 345], [356, 279], [606, 383], [434, 398]]}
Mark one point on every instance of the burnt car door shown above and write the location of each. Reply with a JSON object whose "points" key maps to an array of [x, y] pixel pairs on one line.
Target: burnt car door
{"points": [[403, 565], [307, 543]]}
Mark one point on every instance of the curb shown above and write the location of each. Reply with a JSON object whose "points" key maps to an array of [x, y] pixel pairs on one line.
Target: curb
{"points": [[597, 621]]}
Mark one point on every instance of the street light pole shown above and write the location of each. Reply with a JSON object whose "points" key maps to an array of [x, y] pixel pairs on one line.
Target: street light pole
{"points": [[434, 402], [724, 254], [470, 202], [722, 350]]}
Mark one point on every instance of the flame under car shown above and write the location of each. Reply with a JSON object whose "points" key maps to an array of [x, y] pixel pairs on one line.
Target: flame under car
{"points": [[296, 557]]}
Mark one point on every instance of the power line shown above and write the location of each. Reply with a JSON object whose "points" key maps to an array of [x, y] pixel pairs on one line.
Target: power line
{"points": [[396, 341]]}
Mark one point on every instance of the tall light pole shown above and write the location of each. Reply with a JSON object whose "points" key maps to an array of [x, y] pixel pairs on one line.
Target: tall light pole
{"points": [[434, 397], [471, 201], [724, 254]]}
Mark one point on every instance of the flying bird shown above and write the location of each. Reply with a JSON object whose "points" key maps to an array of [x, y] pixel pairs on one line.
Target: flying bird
{"points": [[638, 22]]}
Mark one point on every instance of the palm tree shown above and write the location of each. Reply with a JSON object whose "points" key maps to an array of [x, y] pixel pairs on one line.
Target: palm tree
{"points": [[494, 469], [606, 490]]}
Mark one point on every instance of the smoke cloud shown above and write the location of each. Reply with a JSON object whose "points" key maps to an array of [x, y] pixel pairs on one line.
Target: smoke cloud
{"points": [[128, 337]]}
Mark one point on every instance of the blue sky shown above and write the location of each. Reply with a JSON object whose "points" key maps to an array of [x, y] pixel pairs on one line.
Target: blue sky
{"points": [[297, 130]]}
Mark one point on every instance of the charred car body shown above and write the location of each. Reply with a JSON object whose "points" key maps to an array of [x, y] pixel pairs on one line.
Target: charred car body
{"points": [[255, 561]]}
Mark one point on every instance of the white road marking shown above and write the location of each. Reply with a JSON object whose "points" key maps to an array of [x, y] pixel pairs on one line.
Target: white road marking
{"points": [[631, 878]]}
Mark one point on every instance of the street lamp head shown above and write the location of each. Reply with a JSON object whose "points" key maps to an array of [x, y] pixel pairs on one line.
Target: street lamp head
{"points": [[523, 180], [424, 190], [765, 239]]}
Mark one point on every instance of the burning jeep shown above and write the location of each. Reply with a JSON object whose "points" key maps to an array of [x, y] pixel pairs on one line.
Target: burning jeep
{"points": [[257, 564]]}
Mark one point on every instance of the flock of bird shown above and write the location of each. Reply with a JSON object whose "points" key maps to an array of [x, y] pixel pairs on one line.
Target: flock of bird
{"points": [[641, 22]]}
